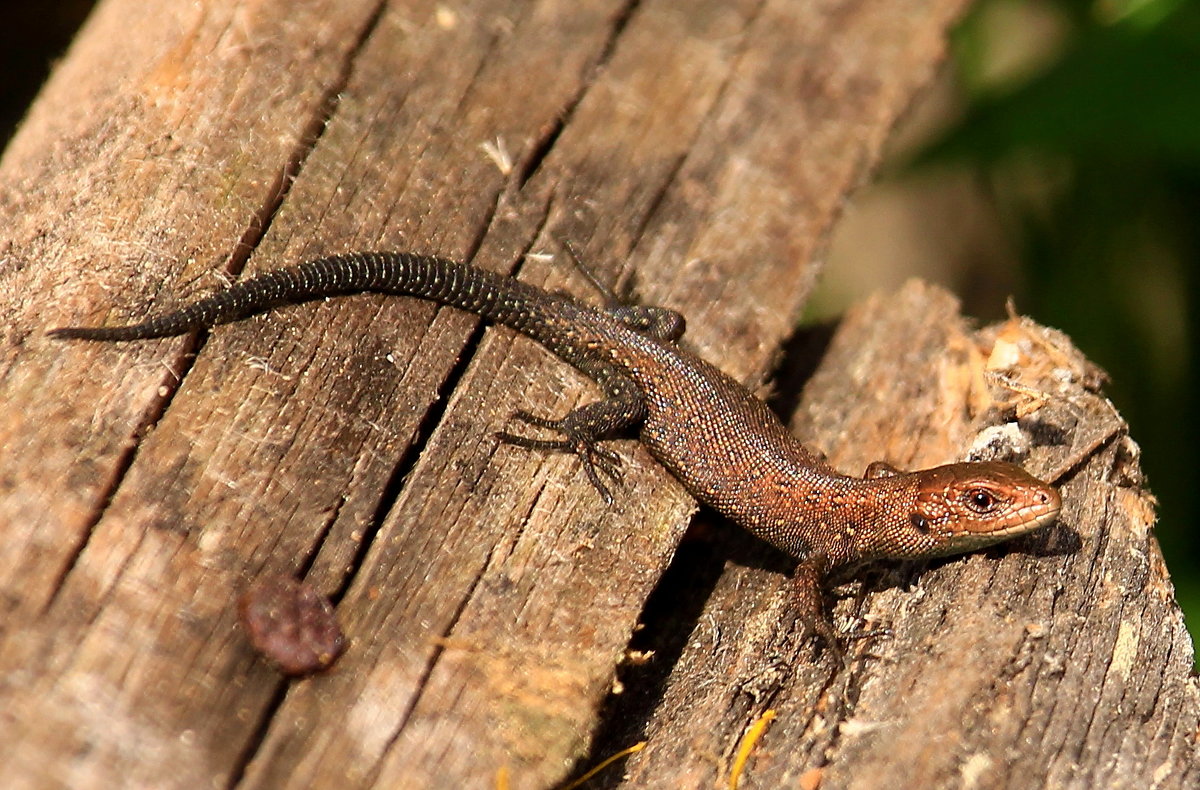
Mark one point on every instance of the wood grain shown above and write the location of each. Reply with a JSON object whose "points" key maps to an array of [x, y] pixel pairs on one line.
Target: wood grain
{"points": [[700, 152]]}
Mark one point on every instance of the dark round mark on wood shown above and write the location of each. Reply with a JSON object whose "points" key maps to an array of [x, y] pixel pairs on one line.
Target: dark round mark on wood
{"points": [[291, 625]]}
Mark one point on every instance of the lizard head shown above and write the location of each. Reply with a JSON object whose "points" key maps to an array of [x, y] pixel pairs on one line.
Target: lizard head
{"points": [[961, 507]]}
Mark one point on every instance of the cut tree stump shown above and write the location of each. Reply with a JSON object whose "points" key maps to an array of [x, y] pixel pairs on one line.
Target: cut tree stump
{"points": [[699, 152]]}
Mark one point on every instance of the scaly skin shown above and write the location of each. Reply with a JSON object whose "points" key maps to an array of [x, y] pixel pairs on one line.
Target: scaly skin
{"points": [[726, 447]]}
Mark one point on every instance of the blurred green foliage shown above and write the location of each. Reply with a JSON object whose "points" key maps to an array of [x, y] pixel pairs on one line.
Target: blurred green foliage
{"points": [[1093, 162]]}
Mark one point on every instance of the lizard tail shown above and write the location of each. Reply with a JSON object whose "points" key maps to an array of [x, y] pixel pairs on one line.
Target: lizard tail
{"points": [[484, 293]]}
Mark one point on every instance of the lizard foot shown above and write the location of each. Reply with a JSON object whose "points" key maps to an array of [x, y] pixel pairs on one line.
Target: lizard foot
{"points": [[596, 460], [835, 639]]}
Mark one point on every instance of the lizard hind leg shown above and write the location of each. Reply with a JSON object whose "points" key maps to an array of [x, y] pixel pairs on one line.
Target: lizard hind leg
{"points": [[581, 432]]}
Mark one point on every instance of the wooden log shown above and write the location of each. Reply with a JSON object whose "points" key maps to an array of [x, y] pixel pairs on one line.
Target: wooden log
{"points": [[1058, 660], [488, 593]]}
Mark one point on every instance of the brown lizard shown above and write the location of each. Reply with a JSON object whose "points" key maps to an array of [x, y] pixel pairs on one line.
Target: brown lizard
{"points": [[723, 443]]}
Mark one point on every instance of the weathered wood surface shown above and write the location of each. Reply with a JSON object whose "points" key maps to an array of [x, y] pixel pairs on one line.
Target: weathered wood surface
{"points": [[1058, 660], [702, 150]]}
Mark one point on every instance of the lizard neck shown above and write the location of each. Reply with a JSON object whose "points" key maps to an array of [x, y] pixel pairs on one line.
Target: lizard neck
{"points": [[842, 519]]}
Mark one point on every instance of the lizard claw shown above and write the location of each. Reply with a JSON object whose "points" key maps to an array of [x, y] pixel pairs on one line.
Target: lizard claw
{"points": [[834, 639], [867, 633]]}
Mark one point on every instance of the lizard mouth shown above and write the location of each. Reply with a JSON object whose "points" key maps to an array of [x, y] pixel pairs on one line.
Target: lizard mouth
{"points": [[1046, 518], [1043, 508], [1025, 525], [1016, 529], [1031, 521]]}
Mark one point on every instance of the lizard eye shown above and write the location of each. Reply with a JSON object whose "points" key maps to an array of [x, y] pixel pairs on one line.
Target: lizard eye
{"points": [[920, 522], [980, 500]]}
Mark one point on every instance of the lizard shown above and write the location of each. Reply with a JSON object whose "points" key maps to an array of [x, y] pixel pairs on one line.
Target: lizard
{"points": [[723, 443]]}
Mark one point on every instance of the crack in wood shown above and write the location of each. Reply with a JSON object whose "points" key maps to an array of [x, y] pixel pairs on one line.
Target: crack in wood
{"points": [[545, 143], [121, 465], [310, 135], [258, 735], [184, 358], [420, 687]]}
